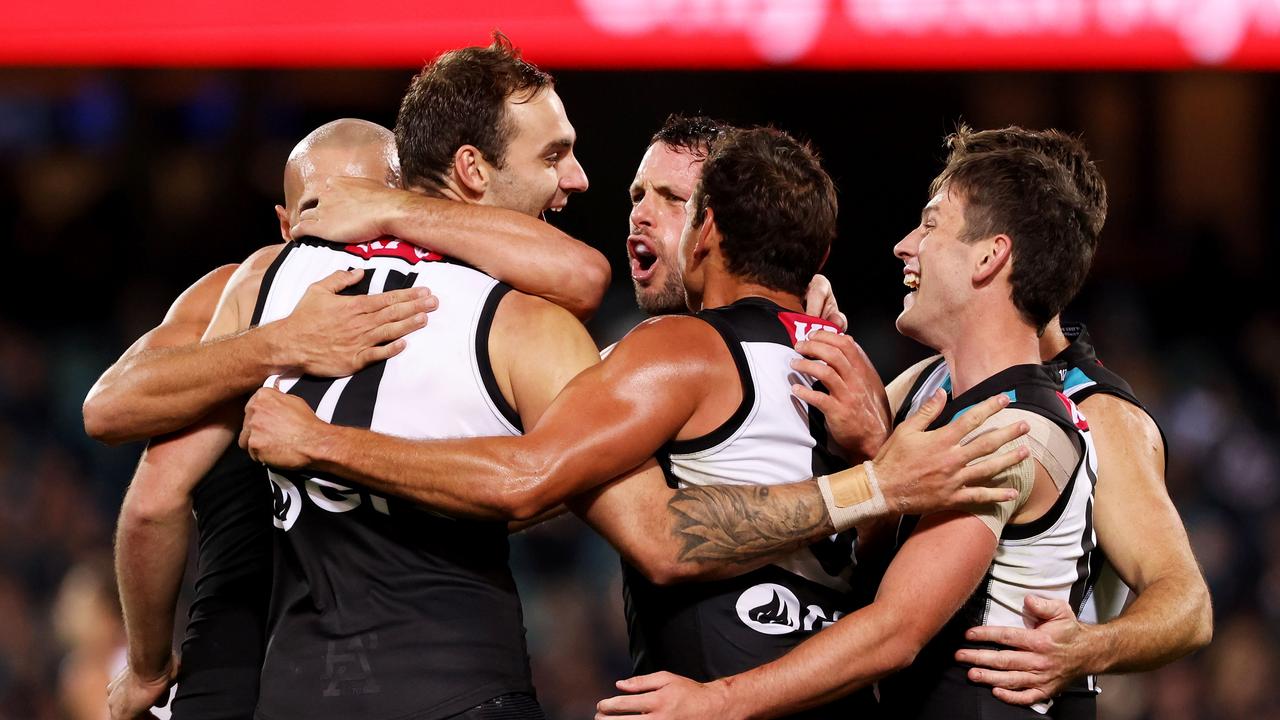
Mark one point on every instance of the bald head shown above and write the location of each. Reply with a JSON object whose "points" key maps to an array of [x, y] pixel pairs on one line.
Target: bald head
{"points": [[350, 147]]}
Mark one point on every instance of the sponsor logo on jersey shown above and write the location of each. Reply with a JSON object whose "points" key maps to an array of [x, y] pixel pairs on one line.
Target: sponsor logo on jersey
{"points": [[800, 326], [772, 609], [1074, 411], [286, 501], [407, 252]]}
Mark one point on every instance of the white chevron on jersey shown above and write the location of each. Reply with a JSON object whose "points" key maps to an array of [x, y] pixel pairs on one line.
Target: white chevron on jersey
{"points": [[434, 388], [773, 445]]}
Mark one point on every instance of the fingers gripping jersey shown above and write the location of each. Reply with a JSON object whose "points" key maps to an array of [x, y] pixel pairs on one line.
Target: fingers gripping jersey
{"points": [[1082, 376], [381, 609], [1052, 556], [707, 630]]}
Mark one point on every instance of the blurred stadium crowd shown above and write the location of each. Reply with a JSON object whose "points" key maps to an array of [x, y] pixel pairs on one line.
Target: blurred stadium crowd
{"points": [[119, 189]]}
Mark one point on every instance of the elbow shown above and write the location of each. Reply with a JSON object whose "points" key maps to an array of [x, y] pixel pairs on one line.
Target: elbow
{"points": [[1204, 622], [662, 571], [592, 279], [528, 494], [898, 654], [141, 510], [519, 506], [100, 419]]}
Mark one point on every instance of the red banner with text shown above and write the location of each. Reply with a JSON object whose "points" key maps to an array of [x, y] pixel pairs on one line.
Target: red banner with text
{"points": [[871, 34]]}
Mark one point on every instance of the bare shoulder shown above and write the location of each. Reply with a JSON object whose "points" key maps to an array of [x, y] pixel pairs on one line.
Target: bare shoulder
{"points": [[243, 285], [197, 303], [683, 335], [901, 385], [524, 323], [1111, 417], [527, 316]]}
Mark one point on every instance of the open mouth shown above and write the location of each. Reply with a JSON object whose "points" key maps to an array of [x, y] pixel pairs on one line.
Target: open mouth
{"points": [[643, 258], [911, 280]]}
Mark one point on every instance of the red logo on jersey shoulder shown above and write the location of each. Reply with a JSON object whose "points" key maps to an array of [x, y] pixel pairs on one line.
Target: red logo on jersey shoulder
{"points": [[391, 247], [800, 326], [1074, 411]]}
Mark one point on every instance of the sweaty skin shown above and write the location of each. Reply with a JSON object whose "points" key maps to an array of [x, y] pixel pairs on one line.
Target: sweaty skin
{"points": [[946, 556], [519, 478]]}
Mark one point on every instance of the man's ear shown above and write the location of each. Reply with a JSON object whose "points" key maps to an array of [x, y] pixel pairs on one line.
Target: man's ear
{"points": [[283, 216], [472, 171], [998, 252], [708, 237]]}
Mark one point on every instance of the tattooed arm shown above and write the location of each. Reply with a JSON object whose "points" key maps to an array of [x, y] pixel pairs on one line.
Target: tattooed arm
{"points": [[717, 531], [704, 532]]}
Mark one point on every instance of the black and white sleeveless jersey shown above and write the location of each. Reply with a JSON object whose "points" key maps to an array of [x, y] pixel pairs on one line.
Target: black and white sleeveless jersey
{"points": [[226, 626], [380, 609], [707, 630], [1082, 376], [1052, 556]]}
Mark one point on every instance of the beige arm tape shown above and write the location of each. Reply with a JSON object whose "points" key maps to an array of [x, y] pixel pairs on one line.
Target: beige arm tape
{"points": [[1047, 444], [853, 496]]}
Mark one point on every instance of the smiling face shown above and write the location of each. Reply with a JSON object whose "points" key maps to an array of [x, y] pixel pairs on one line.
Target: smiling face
{"points": [[539, 168], [662, 186], [937, 269]]}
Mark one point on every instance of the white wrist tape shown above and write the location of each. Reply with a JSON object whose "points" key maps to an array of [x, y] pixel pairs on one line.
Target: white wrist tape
{"points": [[852, 496]]}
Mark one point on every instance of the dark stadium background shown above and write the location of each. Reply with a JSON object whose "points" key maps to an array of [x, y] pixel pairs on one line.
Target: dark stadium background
{"points": [[119, 187]]}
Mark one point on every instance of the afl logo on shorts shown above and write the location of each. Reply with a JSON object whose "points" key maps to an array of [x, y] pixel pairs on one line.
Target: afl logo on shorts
{"points": [[286, 501], [770, 609]]}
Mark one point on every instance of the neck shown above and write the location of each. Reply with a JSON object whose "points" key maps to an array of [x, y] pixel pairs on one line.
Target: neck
{"points": [[986, 340], [722, 289], [1053, 341], [446, 191]]}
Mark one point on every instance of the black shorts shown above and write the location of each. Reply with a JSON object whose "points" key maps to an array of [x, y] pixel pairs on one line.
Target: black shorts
{"points": [[514, 706]]}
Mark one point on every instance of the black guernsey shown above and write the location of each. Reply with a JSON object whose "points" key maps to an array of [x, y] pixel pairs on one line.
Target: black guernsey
{"points": [[936, 686], [708, 630], [226, 629], [382, 610]]}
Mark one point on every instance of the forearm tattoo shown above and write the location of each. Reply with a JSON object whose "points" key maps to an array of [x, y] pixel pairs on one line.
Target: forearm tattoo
{"points": [[739, 523]]}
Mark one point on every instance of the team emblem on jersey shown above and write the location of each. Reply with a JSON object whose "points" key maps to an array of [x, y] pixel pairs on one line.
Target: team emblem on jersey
{"points": [[800, 326], [286, 501], [407, 252], [770, 609]]}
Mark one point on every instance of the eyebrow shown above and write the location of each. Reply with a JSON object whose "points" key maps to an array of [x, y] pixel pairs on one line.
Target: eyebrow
{"points": [[559, 145]]}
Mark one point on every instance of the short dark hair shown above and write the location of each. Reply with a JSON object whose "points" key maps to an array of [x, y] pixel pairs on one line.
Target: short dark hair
{"points": [[1058, 146], [1031, 198], [460, 99], [774, 205], [694, 134]]}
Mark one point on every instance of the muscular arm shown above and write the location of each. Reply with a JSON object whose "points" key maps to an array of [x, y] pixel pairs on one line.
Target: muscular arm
{"points": [[1143, 537], [717, 531], [606, 421], [155, 518], [937, 568], [524, 252], [150, 392], [702, 532], [927, 582], [151, 537], [118, 400]]}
